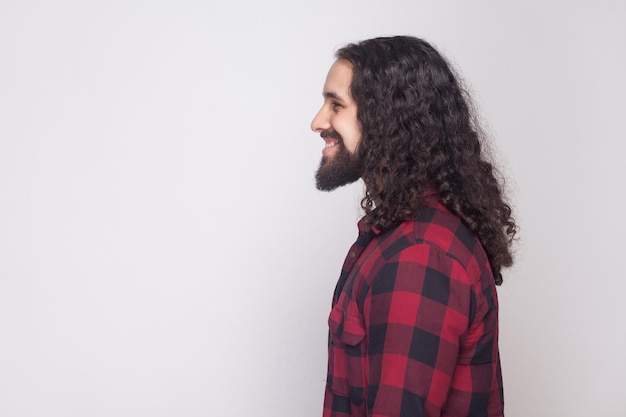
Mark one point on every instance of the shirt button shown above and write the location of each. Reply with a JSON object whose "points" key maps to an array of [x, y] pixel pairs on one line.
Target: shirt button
{"points": [[352, 254]]}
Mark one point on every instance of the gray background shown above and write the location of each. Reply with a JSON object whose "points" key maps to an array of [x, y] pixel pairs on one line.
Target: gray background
{"points": [[163, 251]]}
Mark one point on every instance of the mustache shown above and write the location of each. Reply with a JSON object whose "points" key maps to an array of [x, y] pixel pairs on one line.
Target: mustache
{"points": [[331, 134]]}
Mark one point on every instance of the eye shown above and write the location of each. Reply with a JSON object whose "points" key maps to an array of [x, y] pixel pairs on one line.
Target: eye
{"points": [[336, 106]]}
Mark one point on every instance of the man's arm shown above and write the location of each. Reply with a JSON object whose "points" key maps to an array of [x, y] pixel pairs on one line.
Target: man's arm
{"points": [[418, 311]]}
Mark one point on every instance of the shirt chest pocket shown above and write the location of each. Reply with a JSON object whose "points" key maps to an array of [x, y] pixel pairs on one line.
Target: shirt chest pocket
{"points": [[346, 354]]}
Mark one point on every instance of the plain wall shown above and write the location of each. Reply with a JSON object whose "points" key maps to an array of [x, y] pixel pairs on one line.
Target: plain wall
{"points": [[164, 252]]}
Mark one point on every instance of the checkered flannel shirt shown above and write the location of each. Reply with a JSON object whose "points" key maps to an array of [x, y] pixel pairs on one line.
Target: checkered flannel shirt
{"points": [[414, 324]]}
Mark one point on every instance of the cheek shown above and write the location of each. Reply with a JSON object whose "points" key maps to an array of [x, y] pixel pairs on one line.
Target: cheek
{"points": [[353, 134], [352, 141], [349, 129]]}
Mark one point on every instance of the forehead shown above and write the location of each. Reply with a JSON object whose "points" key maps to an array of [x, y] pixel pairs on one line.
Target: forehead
{"points": [[339, 78]]}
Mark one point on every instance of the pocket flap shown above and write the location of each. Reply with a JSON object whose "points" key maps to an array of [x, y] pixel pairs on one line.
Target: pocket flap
{"points": [[348, 328]]}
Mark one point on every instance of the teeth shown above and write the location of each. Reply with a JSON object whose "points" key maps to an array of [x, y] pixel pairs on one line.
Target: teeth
{"points": [[329, 145]]}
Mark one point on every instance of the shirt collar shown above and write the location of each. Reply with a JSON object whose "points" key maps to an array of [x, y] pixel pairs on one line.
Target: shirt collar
{"points": [[431, 198]]}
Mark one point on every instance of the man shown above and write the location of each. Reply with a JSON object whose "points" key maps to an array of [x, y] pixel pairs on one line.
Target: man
{"points": [[414, 322]]}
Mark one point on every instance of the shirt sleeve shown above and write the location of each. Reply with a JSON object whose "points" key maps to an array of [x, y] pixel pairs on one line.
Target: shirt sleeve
{"points": [[418, 312]]}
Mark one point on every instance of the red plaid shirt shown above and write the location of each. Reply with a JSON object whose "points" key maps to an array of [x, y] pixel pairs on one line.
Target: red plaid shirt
{"points": [[414, 324]]}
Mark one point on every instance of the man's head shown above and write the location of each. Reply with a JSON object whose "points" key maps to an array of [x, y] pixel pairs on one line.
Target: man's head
{"points": [[337, 124], [386, 101], [410, 105]]}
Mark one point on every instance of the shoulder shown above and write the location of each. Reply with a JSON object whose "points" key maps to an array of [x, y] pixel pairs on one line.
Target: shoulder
{"points": [[434, 236], [435, 225]]}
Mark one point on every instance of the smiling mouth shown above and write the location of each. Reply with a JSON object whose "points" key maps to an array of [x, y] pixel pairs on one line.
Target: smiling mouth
{"points": [[329, 145]]}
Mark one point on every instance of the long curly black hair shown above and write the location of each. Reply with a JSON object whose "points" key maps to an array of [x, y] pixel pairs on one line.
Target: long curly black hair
{"points": [[419, 132]]}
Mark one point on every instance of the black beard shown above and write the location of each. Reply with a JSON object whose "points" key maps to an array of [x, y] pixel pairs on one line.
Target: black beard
{"points": [[344, 168]]}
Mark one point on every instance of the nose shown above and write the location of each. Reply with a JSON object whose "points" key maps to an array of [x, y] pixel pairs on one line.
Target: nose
{"points": [[321, 121]]}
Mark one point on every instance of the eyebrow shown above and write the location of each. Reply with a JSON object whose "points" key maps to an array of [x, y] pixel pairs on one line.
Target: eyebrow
{"points": [[332, 95]]}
